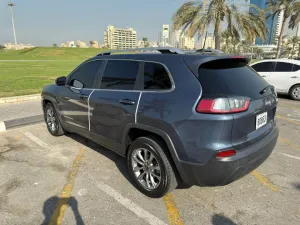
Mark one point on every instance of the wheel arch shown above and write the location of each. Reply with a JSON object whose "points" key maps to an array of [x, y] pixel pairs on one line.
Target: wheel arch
{"points": [[133, 131], [292, 87]]}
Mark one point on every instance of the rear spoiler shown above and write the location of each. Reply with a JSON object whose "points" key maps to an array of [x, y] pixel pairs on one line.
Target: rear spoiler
{"points": [[194, 61]]}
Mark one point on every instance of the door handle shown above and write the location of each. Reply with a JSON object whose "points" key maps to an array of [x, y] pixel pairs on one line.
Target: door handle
{"points": [[263, 76], [126, 102], [83, 96], [294, 77]]}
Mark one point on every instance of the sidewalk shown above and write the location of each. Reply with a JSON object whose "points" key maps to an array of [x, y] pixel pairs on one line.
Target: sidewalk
{"points": [[20, 113]]}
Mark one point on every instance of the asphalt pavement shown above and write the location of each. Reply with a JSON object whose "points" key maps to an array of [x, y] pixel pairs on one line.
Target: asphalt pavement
{"points": [[70, 180]]}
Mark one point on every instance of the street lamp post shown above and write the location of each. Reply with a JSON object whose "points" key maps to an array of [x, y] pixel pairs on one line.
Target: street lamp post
{"points": [[11, 5]]}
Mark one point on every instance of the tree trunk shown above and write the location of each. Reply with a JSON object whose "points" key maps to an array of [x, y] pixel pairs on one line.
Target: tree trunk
{"points": [[293, 51], [217, 34], [280, 37]]}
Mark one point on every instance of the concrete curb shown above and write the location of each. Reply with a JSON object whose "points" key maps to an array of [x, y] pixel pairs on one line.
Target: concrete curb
{"points": [[10, 124], [20, 98]]}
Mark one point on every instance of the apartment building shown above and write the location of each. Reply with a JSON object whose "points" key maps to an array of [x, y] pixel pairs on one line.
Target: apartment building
{"points": [[119, 38], [186, 42], [18, 46], [81, 44], [175, 37], [210, 41]]}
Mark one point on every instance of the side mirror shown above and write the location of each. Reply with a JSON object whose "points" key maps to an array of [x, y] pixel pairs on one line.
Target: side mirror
{"points": [[61, 81]]}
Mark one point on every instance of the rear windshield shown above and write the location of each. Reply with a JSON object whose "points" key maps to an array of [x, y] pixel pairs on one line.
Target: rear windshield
{"points": [[231, 77]]}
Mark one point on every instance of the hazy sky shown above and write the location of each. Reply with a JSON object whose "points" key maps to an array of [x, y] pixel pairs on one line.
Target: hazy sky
{"points": [[45, 22]]}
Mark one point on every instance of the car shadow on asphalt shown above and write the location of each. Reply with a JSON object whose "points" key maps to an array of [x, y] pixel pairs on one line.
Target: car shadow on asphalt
{"points": [[53, 207], [117, 159], [219, 219]]}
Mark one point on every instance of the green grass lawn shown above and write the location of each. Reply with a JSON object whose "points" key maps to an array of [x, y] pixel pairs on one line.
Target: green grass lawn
{"points": [[25, 77], [29, 77], [46, 53]]}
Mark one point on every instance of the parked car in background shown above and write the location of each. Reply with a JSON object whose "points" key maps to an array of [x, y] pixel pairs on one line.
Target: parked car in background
{"points": [[283, 74], [196, 119]]}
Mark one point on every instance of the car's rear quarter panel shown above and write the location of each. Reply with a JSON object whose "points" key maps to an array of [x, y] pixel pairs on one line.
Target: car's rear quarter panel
{"points": [[167, 110]]}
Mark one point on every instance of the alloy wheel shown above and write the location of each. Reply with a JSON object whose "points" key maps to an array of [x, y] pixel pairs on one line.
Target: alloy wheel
{"points": [[146, 168], [51, 120]]}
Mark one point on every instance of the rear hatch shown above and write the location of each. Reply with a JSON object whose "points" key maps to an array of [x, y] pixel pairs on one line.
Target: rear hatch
{"points": [[231, 83]]}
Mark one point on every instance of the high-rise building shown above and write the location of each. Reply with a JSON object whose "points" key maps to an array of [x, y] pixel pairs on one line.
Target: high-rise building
{"points": [[119, 38], [175, 38], [272, 24], [279, 23], [166, 34]]}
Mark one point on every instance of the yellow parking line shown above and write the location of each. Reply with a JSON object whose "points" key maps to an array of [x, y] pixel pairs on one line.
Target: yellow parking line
{"points": [[289, 143], [287, 119], [264, 180], [18, 137], [62, 203], [173, 212]]}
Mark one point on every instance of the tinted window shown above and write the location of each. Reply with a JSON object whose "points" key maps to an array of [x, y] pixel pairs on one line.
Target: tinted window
{"points": [[283, 67], [120, 74], [264, 67], [156, 77], [85, 75], [230, 78], [296, 67]]}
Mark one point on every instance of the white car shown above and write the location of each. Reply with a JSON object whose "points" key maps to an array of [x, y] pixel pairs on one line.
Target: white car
{"points": [[283, 74]]}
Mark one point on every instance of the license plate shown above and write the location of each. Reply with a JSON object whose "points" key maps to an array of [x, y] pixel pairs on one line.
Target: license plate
{"points": [[261, 120]]}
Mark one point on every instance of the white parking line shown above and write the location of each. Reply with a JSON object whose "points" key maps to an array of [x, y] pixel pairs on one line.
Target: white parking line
{"points": [[37, 140], [290, 156], [137, 210]]}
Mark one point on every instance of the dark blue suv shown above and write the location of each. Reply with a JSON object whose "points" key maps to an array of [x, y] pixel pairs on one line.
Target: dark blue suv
{"points": [[192, 118]]}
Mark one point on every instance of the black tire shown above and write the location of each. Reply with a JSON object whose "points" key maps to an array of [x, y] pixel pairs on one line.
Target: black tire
{"points": [[292, 94], [168, 180], [58, 131]]}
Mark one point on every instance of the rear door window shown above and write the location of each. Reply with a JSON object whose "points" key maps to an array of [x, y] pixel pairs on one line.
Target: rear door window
{"points": [[156, 77], [264, 67], [283, 67], [229, 77], [120, 75], [296, 68]]}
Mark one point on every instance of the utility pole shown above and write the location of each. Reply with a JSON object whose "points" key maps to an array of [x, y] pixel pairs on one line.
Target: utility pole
{"points": [[11, 5]]}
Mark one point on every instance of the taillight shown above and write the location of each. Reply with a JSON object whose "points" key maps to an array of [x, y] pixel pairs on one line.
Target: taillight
{"points": [[223, 105], [227, 153]]}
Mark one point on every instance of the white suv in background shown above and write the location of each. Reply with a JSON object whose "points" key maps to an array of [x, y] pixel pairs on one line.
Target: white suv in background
{"points": [[283, 74]]}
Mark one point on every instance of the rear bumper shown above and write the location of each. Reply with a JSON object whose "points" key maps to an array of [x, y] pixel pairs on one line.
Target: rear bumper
{"points": [[218, 172]]}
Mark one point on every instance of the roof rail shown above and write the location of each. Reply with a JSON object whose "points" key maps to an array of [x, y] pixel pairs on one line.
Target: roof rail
{"points": [[162, 50]]}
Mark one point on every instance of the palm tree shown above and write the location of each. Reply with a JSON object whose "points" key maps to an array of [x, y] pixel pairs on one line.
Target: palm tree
{"points": [[289, 8], [229, 42], [146, 43], [196, 17], [226, 41], [245, 46], [293, 41]]}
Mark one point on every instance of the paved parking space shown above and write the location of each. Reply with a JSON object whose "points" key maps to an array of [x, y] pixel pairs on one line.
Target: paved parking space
{"points": [[70, 180]]}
